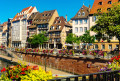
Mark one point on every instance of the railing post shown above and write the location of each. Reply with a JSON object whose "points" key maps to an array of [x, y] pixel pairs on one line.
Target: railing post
{"points": [[111, 76], [84, 78], [76, 79], [98, 77], [116, 77], [58, 80], [104, 77], [91, 78], [68, 79]]}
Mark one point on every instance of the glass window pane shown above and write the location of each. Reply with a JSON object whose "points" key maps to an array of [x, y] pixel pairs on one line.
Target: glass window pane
{"points": [[81, 29], [85, 21], [85, 29], [76, 21], [81, 22], [110, 46], [76, 29]]}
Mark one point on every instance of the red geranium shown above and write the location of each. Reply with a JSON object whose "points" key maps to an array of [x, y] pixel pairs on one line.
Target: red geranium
{"points": [[16, 76], [11, 77], [4, 69], [23, 73]]}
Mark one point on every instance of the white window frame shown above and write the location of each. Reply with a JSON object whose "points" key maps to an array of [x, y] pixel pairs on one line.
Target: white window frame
{"points": [[102, 46], [80, 21], [83, 13], [79, 13], [76, 28], [85, 21], [109, 46], [84, 29], [81, 28], [76, 22]]}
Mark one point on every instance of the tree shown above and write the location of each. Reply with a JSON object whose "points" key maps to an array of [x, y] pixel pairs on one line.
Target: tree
{"points": [[86, 38], [72, 38], [38, 39], [109, 23]]}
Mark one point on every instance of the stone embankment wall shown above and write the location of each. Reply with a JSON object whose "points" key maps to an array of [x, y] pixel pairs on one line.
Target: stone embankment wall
{"points": [[76, 65]]}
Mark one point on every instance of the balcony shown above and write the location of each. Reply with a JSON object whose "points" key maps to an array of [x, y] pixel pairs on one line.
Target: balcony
{"points": [[52, 42], [45, 28], [54, 36]]}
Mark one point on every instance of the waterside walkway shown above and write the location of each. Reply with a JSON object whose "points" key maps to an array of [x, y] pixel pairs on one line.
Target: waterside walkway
{"points": [[54, 71]]}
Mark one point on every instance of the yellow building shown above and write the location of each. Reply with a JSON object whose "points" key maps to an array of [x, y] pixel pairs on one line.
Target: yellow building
{"points": [[58, 32]]}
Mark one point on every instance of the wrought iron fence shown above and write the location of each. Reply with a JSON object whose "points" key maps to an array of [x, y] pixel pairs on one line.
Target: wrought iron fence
{"points": [[101, 76]]}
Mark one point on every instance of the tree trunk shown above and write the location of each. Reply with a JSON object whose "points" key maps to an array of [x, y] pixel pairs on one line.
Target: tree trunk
{"points": [[39, 46], [119, 46], [73, 45]]}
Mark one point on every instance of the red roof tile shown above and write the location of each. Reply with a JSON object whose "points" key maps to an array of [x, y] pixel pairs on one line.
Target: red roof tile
{"points": [[103, 7], [25, 9], [31, 9]]}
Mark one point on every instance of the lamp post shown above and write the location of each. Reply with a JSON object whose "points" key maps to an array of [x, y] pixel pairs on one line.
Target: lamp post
{"points": [[45, 63]]}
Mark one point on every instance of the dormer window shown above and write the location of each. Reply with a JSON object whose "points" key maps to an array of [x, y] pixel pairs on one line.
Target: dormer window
{"points": [[58, 27], [108, 9], [59, 21], [109, 2], [100, 3], [52, 27], [50, 14], [83, 14], [99, 10], [55, 22], [79, 13], [58, 18], [82, 8]]}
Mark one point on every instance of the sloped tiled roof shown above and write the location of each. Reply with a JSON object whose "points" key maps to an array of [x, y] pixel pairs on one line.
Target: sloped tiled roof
{"points": [[31, 10], [33, 15], [25, 9], [59, 21], [41, 18], [19, 16], [45, 16], [103, 7], [5, 23], [83, 9]]}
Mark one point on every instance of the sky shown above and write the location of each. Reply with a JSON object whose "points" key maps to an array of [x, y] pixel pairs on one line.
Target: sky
{"points": [[9, 8]]}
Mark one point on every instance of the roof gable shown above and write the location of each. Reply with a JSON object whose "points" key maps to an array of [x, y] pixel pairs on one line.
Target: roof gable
{"points": [[82, 13], [59, 21]]}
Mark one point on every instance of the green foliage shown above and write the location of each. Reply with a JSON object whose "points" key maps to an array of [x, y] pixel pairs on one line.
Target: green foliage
{"points": [[72, 38], [38, 39], [108, 23], [86, 38]]}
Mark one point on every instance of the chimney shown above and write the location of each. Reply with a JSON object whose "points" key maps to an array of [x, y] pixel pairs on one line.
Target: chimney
{"points": [[66, 17], [89, 8]]}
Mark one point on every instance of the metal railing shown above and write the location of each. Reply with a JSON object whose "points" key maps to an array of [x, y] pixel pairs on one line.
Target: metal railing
{"points": [[101, 76]]}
